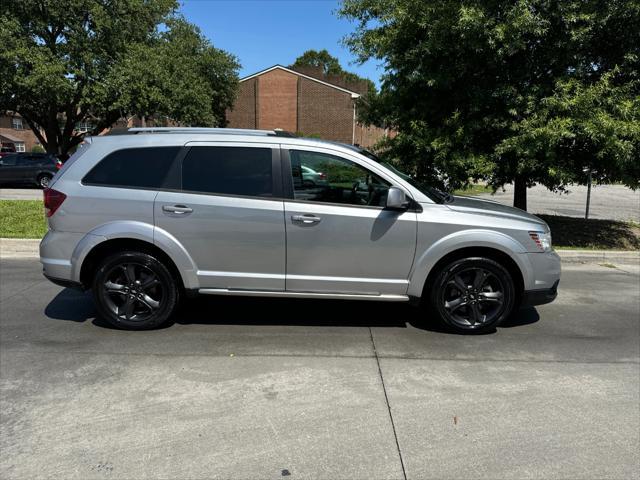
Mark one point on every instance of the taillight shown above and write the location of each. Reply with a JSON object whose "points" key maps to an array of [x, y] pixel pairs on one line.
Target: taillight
{"points": [[59, 164], [52, 200], [323, 176]]}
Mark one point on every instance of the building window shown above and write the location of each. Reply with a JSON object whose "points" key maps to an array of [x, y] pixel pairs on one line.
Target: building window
{"points": [[20, 147], [84, 127], [16, 123]]}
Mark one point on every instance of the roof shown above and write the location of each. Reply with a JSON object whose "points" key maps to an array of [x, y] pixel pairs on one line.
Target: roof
{"points": [[11, 138], [182, 135], [280, 67]]}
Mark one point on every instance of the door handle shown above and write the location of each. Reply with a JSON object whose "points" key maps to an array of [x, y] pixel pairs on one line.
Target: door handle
{"points": [[306, 219], [179, 209]]}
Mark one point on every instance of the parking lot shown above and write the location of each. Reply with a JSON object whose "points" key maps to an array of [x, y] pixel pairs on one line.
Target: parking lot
{"points": [[260, 388]]}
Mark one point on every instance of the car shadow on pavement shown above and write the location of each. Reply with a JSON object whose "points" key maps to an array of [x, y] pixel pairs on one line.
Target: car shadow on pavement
{"points": [[71, 305], [75, 306]]}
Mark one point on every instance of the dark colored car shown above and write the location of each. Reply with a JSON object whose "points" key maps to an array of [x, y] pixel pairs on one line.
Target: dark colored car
{"points": [[7, 149], [28, 168]]}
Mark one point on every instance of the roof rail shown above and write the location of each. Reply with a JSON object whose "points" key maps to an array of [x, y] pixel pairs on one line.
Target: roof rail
{"points": [[222, 131]]}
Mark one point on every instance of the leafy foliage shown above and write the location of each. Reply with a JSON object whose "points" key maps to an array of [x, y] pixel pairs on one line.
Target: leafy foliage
{"points": [[68, 61], [526, 91], [330, 65]]}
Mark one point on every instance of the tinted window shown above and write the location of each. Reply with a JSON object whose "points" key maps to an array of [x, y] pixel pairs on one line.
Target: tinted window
{"points": [[325, 178], [133, 167], [228, 170]]}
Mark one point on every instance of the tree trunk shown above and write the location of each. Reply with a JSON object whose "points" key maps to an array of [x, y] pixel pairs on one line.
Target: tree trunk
{"points": [[520, 192]]}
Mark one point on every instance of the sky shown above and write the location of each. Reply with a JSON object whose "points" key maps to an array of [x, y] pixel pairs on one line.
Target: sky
{"points": [[262, 33]]}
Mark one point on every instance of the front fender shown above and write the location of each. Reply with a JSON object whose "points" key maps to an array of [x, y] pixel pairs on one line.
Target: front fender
{"points": [[138, 231], [428, 258]]}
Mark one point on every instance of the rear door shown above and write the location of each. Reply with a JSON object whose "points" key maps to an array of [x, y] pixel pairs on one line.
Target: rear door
{"points": [[27, 167], [229, 215]]}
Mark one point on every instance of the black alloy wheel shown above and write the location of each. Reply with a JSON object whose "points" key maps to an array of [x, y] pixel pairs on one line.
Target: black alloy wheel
{"points": [[134, 290], [473, 295], [43, 180]]}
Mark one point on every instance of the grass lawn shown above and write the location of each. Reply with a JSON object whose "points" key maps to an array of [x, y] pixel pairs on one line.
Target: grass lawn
{"points": [[473, 189], [25, 219], [22, 219], [571, 232]]}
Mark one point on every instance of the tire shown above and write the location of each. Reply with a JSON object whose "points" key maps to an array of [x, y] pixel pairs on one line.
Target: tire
{"points": [[134, 291], [473, 295], [44, 179]]}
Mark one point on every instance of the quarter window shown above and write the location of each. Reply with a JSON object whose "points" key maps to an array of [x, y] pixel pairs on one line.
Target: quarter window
{"points": [[319, 177], [228, 171], [133, 167]]}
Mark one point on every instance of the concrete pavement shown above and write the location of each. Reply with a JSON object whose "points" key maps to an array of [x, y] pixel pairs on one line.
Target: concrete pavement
{"points": [[260, 388]]}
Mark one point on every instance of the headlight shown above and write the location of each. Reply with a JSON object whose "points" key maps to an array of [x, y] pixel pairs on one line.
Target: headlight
{"points": [[542, 240]]}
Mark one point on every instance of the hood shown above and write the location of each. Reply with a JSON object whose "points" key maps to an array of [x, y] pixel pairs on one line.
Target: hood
{"points": [[480, 206]]}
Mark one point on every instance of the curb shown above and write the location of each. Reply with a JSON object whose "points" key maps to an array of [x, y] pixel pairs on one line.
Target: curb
{"points": [[598, 256], [19, 247], [28, 247]]}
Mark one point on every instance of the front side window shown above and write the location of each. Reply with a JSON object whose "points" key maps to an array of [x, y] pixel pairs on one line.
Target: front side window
{"points": [[133, 167], [320, 177], [228, 171]]}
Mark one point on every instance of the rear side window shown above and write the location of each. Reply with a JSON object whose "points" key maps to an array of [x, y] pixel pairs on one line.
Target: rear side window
{"points": [[228, 171], [133, 167]]}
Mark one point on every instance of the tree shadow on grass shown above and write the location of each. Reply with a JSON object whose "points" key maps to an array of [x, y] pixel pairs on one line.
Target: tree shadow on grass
{"points": [[599, 234]]}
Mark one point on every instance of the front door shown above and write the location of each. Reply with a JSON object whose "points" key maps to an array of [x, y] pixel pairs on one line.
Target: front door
{"points": [[9, 169], [340, 239], [228, 217]]}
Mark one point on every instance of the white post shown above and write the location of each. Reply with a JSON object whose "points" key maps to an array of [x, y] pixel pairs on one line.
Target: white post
{"points": [[353, 133]]}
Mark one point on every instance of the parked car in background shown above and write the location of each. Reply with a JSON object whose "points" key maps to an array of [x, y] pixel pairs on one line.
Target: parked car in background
{"points": [[7, 149], [312, 178], [28, 168], [145, 218]]}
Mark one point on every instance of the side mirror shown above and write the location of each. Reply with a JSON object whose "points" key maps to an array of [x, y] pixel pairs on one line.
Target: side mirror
{"points": [[396, 199]]}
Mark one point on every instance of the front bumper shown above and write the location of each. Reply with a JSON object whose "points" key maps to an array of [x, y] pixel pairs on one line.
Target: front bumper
{"points": [[531, 298]]}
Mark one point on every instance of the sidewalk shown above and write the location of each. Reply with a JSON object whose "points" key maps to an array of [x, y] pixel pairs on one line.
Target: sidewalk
{"points": [[28, 248]]}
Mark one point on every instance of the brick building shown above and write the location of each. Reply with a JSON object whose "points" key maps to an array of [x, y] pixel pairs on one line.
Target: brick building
{"points": [[15, 131], [302, 101]]}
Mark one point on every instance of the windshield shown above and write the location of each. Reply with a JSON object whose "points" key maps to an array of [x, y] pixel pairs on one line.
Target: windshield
{"points": [[433, 193]]}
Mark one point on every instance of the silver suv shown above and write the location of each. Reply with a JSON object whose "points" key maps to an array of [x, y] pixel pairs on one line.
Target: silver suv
{"points": [[146, 217]]}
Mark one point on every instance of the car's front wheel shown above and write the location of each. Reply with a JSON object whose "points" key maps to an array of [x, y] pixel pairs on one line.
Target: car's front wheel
{"points": [[473, 295], [134, 290]]}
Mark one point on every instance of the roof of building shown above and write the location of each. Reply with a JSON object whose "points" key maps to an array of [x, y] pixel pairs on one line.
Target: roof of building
{"points": [[11, 138], [280, 67]]}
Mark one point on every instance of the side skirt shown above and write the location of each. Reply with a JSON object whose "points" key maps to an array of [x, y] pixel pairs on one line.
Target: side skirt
{"points": [[334, 296]]}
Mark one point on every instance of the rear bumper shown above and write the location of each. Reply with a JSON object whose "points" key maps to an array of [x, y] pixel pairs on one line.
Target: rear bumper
{"points": [[531, 298]]}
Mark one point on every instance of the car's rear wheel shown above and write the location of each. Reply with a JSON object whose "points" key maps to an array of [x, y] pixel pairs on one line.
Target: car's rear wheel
{"points": [[134, 290], [44, 179], [473, 295]]}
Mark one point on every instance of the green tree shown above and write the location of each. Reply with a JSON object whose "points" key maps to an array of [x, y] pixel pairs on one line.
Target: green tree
{"points": [[67, 61], [526, 91], [319, 58], [331, 66]]}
